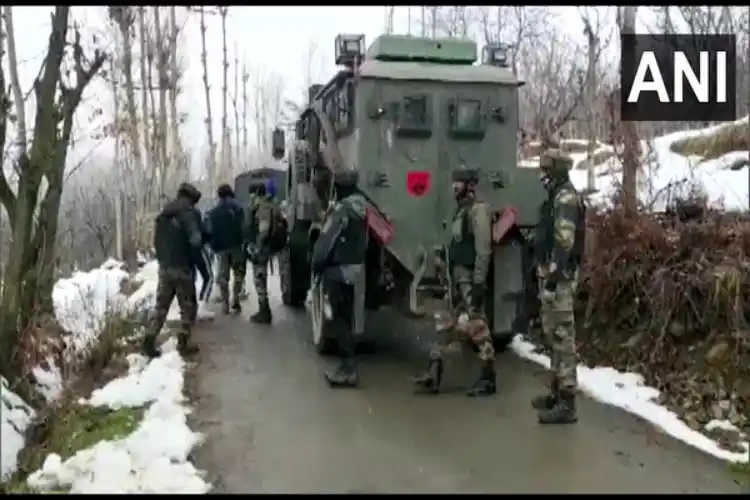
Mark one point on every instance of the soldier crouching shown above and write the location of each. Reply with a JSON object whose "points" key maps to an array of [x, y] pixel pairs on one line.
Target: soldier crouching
{"points": [[178, 241], [468, 263], [560, 243]]}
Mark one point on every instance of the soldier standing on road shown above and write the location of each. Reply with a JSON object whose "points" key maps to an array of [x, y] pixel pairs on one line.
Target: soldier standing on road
{"points": [[178, 241], [258, 222], [226, 221], [469, 254], [339, 261], [560, 242]]}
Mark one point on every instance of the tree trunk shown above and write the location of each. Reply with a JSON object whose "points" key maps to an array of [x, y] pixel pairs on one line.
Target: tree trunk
{"points": [[245, 150], [631, 143], [209, 119], [162, 66], [225, 149], [174, 92], [236, 106]]}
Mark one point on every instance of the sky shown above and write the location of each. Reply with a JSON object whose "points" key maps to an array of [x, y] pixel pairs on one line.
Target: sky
{"points": [[272, 39]]}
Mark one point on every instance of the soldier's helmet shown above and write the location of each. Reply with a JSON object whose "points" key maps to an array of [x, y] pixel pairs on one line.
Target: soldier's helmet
{"points": [[465, 174], [346, 178], [555, 161], [189, 191]]}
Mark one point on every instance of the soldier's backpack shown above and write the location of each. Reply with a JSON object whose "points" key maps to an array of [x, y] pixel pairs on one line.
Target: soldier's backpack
{"points": [[277, 237]]}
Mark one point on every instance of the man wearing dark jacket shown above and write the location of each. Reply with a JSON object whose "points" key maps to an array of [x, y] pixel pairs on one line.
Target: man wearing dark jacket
{"points": [[178, 241], [339, 261], [225, 223]]}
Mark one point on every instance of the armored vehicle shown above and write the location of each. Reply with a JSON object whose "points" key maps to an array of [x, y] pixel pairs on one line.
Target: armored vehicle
{"points": [[405, 114], [243, 180]]}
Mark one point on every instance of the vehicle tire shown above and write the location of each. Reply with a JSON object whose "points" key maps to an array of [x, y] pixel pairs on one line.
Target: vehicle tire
{"points": [[502, 341], [292, 294], [320, 323]]}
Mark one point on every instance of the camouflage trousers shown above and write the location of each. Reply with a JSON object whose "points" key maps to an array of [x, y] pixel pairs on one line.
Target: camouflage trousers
{"points": [[231, 262], [558, 325], [173, 283], [260, 279], [461, 324]]}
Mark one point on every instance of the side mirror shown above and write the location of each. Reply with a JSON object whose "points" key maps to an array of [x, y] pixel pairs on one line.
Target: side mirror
{"points": [[278, 143]]}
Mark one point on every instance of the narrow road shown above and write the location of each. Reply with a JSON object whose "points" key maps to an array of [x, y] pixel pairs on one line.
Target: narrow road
{"points": [[273, 426]]}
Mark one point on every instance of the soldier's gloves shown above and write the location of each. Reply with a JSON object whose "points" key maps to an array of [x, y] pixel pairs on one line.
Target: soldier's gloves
{"points": [[477, 296]]}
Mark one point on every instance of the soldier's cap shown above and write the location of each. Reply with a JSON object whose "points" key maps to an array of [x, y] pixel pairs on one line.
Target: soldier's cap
{"points": [[555, 158], [465, 174], [346, 178], [189, 191]]}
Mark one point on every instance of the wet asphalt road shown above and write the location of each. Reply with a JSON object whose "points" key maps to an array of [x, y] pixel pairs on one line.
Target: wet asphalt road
{"points": [[272, 425]]}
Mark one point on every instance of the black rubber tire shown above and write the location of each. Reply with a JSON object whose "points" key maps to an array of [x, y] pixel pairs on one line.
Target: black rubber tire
{"points": [[291, 295], [502, 341]]}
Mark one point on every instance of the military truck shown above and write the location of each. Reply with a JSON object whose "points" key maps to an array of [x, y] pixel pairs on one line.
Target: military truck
{"points": [[405, 114], [242, 182]]}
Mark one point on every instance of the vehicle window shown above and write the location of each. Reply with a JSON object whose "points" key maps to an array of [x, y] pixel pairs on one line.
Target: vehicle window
{"points": [[466, 119], [414, 116], [468, 115]]}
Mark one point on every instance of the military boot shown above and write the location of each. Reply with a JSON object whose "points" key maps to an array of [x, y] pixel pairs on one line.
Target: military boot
{"points": [[236, 307], [184, 346], [429, 382], [562, 412], [547, 401], [485, 386], [225, 306], [344, 376], [149, 348], [263, 316]]}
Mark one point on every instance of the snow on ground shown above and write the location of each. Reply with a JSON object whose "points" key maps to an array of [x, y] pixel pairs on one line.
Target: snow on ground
{"points": [[628, 392], [667, 172], [15, 417], [154, 458]]}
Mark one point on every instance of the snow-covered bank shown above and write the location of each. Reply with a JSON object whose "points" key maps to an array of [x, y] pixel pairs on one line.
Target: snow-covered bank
{"points": [[153, 458], [628, 392]]}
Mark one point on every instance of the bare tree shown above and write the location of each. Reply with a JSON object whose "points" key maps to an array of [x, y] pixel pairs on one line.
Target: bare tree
{"points": [[28, 282], [207, 89], [174, 78], [226, 154], [236, 108], [245, 79], [630, 141], [15, 82]]}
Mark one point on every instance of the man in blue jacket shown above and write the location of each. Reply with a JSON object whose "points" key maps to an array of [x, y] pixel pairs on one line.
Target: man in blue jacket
{"points": [[225, 223]]}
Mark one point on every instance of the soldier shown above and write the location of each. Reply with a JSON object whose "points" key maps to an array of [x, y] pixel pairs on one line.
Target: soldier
{"points": [[469, 254], [339, 261], [559, 241], [177, 240], [226, 221], [258, 225]]}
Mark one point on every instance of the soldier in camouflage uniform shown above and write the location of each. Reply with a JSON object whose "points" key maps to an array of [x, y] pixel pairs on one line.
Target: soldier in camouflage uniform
{"points": [[469, 254], [226, 221], [559, 242], [178, 242], [259, 217], [339, 260]]}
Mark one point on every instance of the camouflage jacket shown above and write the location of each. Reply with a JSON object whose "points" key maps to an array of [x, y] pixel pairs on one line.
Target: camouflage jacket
{"points": [[558, 241], [258, 220], [471, 242], [340, 250]]}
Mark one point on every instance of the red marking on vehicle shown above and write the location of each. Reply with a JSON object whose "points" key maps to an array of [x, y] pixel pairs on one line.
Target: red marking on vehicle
{"points": [[507, 219], [418, 182], [380, 227]]}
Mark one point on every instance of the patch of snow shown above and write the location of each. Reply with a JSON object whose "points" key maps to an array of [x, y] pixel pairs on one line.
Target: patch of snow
{"points": [[49, 380], [15, 417], [723, 425], [154, 458], [628, 392]]}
